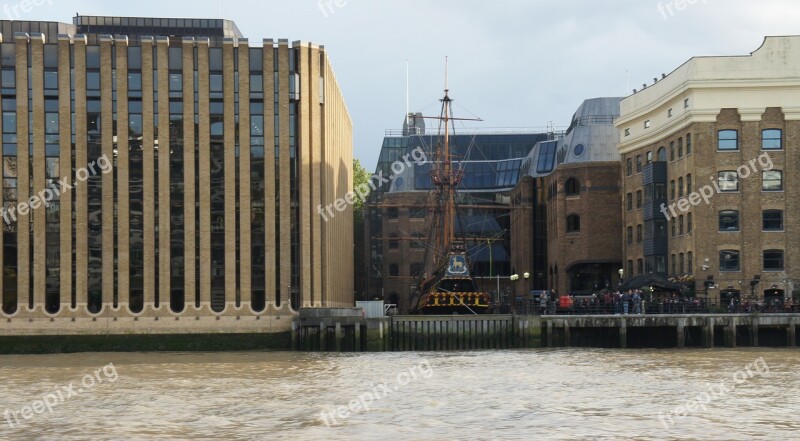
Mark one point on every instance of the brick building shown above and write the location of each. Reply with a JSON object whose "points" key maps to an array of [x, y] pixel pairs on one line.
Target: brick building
{"points": [[709, 163], [568, 233]]}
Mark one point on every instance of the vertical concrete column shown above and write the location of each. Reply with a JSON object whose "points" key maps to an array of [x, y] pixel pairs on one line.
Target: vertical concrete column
{"points": [[81, 272], [38, 210], [623, 334], [164, 188], [270, 204], [358, 337], [65, 165], [108, 222], [567, 337], [317, 161], [549, 333], [148, 171], [791, 333], [305, 157], [231, 293], [284, 200], [294, 334], [730, 333], [681, 332], [708, 332], [23, 171], [123, 174], [245, 199], [189, 177], [339, 337], [754, 332], [323, 331], [204, 170]]}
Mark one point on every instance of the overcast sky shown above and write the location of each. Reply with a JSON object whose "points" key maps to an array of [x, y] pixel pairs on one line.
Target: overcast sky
{"points": [[514, 63]]}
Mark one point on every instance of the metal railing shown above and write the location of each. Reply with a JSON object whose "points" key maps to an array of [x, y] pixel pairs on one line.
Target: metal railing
{"points": [[534, 307]]}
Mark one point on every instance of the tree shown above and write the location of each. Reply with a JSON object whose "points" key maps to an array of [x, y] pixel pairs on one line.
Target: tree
{"points": [[361, 179]]}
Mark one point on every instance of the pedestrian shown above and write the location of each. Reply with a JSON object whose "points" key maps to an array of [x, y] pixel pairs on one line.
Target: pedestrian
{"points": [[543, 302], [625, 299], [637, 303]]}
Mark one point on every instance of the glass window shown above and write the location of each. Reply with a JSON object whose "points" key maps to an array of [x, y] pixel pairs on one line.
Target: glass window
{"points": [[256, 125], [680, 187], [572, 187], [772, 181], [51, 123], [629, 167], [92, 80], [639, 199], [728, 140], [729, 220], [638, 163], [629, 201], [51, 80], [728, 181], [662, 154], [690, 262], [176, 82], [9, 122], [135, 81], [688, 143], [176, 58], [772, 139], [680, 147], [729, 260], [639, 234], [672, 151], [773, 260], [573, 223], [256, 83], [216, 82], [649, 157], [688, 184], [680, 225], [640, 266], [134, 57], [547, 156], [9, 78], [772, 220], [93, 57], [215, 59], [629, 234]]}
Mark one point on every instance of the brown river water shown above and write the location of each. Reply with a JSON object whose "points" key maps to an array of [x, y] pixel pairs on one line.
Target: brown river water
{"points": [[725, 394]]}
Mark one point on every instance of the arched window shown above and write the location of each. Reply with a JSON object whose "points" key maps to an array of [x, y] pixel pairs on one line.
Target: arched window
{"points": [[662, 154], [572, 187], [573, 223]]}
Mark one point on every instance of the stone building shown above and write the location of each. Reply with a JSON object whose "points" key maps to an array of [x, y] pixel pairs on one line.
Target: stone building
{"points": [[709, 163], [219, 154], [567, 236]]}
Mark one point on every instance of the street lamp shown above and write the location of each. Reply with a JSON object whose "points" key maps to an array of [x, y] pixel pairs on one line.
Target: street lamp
{"points": [[514, 278], [621, 273]]}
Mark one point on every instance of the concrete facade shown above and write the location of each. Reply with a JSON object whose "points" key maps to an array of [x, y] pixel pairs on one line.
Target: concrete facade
{"points": [[211, 221]]}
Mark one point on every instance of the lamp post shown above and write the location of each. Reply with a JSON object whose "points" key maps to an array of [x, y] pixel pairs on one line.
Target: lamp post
{"points": [[621, 273], [514, 278], [527, 287]]}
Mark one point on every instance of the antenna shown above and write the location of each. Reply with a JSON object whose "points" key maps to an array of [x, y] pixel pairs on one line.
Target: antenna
{"points": [[445, 73], [408, 100]]}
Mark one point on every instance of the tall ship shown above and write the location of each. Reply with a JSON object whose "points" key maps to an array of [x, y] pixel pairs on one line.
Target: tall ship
{"points": [[447, 287]]}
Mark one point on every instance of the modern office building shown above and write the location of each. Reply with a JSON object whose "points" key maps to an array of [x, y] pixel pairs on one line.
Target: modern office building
{"points": [[567, 236], [219, 153], [399, 214], [710, 170]]}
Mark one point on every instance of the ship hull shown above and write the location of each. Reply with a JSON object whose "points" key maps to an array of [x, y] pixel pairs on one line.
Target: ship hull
{"points": [[454, 303]]}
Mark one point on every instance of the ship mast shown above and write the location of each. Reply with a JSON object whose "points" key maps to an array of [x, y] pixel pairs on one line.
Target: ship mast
{"points": [[444, 176]]}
